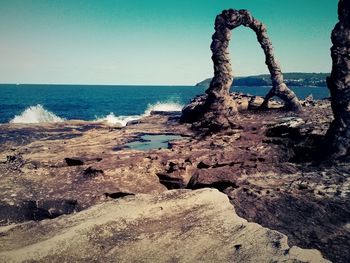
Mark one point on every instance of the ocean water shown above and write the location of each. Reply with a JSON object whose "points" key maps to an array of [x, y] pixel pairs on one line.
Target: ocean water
{"points": [[114, 104]]}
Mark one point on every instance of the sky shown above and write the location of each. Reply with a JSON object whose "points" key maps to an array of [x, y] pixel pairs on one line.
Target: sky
{"points": [[153, 42]]}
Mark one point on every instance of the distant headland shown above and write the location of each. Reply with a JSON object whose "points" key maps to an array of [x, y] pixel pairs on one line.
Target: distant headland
{"points": [[291, 79]]}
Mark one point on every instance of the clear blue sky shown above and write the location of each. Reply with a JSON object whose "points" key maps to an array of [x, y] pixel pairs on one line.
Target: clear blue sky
{"points": [[153, 41]]}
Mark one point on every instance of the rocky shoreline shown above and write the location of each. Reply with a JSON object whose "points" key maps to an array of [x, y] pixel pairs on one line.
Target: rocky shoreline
{"points": [[175, 226], [265, 165]]}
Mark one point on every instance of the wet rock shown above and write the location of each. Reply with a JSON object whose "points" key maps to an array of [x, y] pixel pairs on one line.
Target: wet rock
{"points": [[134, 122], [166, 113], [182, 226]]}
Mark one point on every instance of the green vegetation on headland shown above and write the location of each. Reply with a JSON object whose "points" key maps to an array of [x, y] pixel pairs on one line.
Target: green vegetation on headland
{"points": [[291, 79]]}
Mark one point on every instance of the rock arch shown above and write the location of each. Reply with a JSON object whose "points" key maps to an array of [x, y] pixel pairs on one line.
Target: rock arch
{"points": [[218, 106]]}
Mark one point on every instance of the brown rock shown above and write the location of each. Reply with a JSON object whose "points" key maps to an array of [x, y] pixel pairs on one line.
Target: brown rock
{"points": [[176, 226], [217, 108], [275, 181], [339, 84]]}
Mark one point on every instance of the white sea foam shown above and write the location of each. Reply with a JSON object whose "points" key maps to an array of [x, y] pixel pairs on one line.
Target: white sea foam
{"points": [[159, 106], [163, 106], [123, 120], [36, 114]]}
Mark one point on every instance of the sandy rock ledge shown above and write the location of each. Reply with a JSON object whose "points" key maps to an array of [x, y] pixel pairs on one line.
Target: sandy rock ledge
{"points": [[174, 226]]}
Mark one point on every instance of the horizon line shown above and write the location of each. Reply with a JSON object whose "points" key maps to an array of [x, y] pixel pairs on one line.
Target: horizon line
{"points": [[167, 85], [97, 84]]}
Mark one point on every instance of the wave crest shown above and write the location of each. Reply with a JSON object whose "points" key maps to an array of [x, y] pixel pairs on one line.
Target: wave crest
{"points": [[123, 120], [159, 106], [163, 106], [36, 114]]}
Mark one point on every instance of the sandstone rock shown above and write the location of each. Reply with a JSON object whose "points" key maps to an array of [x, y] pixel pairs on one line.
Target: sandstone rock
{"points": [[244, 102], [288, 126], [172, 181], [339, 84], [176, 226], [36, 210], [36, 170], [215, 112], [275, 181], [220, 178], [177, 174], [317, 222]]}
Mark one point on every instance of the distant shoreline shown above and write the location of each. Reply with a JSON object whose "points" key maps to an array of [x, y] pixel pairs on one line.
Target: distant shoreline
{"points": [[293, 79], [261, 80]]}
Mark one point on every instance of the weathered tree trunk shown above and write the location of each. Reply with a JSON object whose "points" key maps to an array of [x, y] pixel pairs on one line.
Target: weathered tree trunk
{"points": [[339, 83], [218, 107]]}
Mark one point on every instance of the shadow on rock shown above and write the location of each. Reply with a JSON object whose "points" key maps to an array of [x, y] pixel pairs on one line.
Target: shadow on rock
{"points": [[36, 210]]}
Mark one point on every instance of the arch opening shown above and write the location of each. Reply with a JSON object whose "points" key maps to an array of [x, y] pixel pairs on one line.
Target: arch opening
{"points": [[218, 107], [249, 60]]}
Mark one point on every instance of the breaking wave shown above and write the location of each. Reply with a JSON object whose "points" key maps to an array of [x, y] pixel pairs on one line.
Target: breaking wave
{"points": [[36, 114], [163, 106], [123, 120], [159, 106]]}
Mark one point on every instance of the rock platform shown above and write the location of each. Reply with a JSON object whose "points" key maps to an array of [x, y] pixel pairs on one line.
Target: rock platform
{"points": [[266, 165]]}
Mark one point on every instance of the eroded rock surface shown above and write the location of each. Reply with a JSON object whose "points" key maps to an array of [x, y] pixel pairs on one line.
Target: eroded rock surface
{"points": [[217, 108], [267, 166], [175, 226], [81, 168], [339, 83]]}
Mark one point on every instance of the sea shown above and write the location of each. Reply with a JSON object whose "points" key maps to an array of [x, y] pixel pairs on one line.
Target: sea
{"points": [[31, 103]]}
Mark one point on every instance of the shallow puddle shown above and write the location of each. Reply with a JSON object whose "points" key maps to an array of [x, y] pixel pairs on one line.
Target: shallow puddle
{"points": [[150, 142]]}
